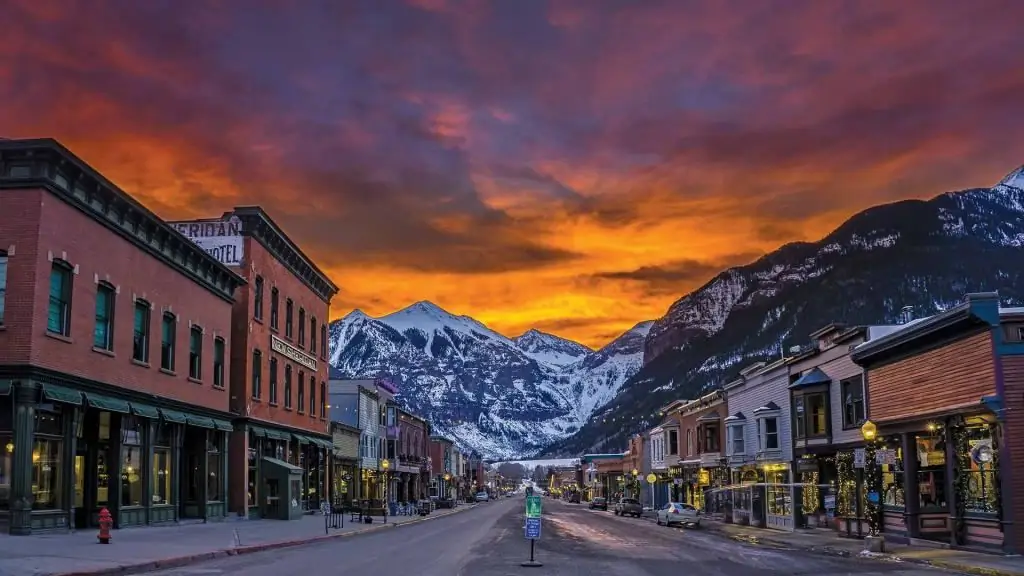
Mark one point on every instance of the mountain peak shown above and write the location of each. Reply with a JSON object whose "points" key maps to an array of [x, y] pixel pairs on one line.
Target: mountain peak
{"points": [[1014, 179], [356, 314]]}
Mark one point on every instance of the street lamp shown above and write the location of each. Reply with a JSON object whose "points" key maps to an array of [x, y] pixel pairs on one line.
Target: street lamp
{"points": [[385, 465], [869, 431], [636, 484]]}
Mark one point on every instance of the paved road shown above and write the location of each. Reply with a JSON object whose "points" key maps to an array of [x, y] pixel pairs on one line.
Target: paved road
{"points": [[488, 541]]}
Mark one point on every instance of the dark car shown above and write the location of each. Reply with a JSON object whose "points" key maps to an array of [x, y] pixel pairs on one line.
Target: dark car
{"points": [[629, 507], [599, 504]]}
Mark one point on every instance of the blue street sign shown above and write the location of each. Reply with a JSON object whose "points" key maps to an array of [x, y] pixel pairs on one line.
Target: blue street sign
{"points": [[533, 528]]}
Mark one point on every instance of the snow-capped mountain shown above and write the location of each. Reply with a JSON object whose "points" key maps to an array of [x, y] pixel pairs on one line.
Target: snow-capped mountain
{"points": [[502, 397], [923, 254]]}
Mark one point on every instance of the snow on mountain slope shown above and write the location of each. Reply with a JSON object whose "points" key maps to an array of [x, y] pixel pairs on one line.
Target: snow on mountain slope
{"points": [[499, 396]]}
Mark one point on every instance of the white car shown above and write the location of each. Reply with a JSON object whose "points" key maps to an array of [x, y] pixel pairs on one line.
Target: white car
{"points": [[482, 497], [678, 513]]}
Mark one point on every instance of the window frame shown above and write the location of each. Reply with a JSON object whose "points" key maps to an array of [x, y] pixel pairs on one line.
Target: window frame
{"points": [[312, 395], [272, 398], [323, 400], [168, 348], [257, 304], [195, 352], [287, 386], [323, 340], [301, 393], [844, 384], [4, 272], [735, 431], [146, 308], [256, 375], [302, 327], [65, 300], [275, 308], [289, 318], [219, 351], [109, 292], [802, 425]]}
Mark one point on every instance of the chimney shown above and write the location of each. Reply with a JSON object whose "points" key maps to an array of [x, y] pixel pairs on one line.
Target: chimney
{"points": [[906, 314]]}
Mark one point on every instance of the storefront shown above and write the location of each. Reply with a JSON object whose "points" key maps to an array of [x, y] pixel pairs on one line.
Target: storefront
{"points": [[272, 448], [343, 485], [68, 453]]}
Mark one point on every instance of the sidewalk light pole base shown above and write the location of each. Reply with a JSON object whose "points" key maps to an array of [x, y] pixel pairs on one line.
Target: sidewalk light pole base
{"points": [[531, 564]]}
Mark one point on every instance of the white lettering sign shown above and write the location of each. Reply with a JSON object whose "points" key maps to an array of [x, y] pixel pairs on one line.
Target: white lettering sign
{"points": [[221, 239], [292, 353]]}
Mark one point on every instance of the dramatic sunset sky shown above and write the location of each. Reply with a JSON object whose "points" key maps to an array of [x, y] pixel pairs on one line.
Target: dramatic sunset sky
{"points": [[574, 166]]}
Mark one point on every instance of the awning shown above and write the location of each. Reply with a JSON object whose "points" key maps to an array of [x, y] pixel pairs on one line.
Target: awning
{"points": [[300, 439], [56, 393], [173, 416], [223, 425], [5, 387], [710, 417], [144, 410], [200, 421], [321, 442], [811, 378], [277, 435], [257, 431], [107, 403]]}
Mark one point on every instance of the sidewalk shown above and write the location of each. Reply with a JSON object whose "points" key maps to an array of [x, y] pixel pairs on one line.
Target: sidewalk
{"points": [[135, 550]]}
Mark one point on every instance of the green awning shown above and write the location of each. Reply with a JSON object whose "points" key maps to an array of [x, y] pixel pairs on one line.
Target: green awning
{"points": [[173, 416], [200, 421], [276, 435], [257, 431], [322, 442], [223, 425], [107, 403], [5, 387], [300, 438], [56, 393], [145, 411]]}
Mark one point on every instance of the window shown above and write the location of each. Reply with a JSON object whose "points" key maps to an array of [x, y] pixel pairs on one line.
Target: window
{"points": [[768, 433], [214, 467], [131, 461], [167, 342], [218, 362], [273, 381], [817, 414], [323, 399], [673, 442], [711, 438], [289, 307], [302, 326], [312, 335], [736, 439], [3, 284], [162, 464], [47, 452], [689, 442], [257, 373], [58, 314], [140, 341], [288, 386], [799, 418], [302, 391], [195, 353], [312, 395], [323, 340], [273, 308], [852, 390], [257, 309], [103, 331]]}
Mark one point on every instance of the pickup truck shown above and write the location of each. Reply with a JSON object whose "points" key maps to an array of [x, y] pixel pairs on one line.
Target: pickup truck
{"points": [[629, 507]]}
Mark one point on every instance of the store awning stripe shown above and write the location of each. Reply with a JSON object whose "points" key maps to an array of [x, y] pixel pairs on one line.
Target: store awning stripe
{"points": [[300, 438], [257, 431], [223, 425], [200, 421], [56, 393], [144, 410], [276, 435], [173, 416], [107, 403]]}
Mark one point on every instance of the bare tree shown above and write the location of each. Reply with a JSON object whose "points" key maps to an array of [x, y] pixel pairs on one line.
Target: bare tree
{"points": [[512, 471], [540, 475]]}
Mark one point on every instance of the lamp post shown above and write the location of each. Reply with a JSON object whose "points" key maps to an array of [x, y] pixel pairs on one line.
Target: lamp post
{"points": [[875, 542], [447, 478], [384, 465], [636, 484]]}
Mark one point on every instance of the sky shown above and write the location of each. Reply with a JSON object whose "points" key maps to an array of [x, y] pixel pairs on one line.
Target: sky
{"points": [[574, 166]]}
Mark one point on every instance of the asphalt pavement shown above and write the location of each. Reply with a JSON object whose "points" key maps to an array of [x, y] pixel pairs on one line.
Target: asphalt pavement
{"points": [[488, 541]]}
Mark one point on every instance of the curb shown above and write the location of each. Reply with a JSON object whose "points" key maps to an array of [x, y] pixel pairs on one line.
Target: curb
{"points": [[180, 561]]}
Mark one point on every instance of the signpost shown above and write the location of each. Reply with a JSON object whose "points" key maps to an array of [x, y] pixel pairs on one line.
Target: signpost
{"points": [[532, 527]]}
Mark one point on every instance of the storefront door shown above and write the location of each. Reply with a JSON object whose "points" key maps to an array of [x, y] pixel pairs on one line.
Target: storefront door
{"points": [[85, 478]]}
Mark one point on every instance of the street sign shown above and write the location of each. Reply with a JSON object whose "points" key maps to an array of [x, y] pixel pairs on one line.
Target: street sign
{"points": [[533, 506], [533, 528], [652, 478]]}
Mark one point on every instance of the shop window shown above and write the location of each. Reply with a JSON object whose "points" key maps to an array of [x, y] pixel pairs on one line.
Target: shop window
{"points": [[931, 472], [312, 396], [312, 335], [852, 390], [736, 446], [3, 285], [892, 478], [257, 373], [47, 464], [274, 306], [257, 311], [302, 327], [140, 340], [289, 308], [58, 314], [103, 331], [168, 327], [162, 464], [778, 494], [6, 449], [323, 399], [273, 381], [301, 385], [214, 471], [218, 362], [195, 353], [980, 471], [323, 340], [288, 386], [673, 441], [131, 461], [768, 433]]}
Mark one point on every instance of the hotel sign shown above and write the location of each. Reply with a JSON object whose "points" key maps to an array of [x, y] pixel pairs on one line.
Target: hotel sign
{"points": [[292, 353], [221, 239]]}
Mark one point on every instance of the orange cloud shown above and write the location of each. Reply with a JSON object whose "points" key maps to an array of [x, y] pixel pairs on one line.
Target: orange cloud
{"points": [[570, 165]]}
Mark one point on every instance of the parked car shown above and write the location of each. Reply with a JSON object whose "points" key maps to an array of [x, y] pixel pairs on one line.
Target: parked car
{"points": [[599, 503], [678, 513], [629, 507], [482, 497]]}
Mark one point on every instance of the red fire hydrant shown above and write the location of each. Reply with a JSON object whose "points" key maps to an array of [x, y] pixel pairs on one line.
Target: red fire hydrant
{"points": [[106, 522]]}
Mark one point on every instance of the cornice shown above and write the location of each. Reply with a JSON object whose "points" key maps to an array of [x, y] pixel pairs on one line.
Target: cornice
{"points": [[45, 163], [258, 225]]}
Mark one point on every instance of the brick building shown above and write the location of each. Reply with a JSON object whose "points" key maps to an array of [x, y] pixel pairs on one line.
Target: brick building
{"points": [[411, 470], [701, 448], [114, 332], [279, 355]]}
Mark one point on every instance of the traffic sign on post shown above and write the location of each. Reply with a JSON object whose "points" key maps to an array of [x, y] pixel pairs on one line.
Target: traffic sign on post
{"points": [[651, 478], [533, 506], [533, 528]]}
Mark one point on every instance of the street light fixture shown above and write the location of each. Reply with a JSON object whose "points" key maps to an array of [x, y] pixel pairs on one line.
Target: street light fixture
{"points": [[869, 431], [385, 465]]}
